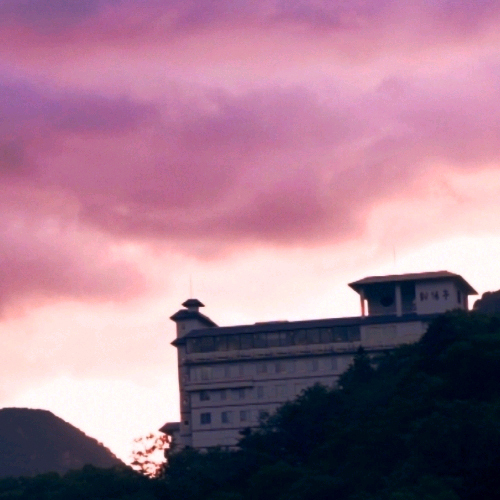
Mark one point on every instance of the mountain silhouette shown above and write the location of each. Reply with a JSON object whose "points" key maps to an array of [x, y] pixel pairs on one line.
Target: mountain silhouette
{"points": [[36, 441]]}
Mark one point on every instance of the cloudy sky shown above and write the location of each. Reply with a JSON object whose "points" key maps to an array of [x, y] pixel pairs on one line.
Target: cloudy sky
{"points": [[268, 151]]}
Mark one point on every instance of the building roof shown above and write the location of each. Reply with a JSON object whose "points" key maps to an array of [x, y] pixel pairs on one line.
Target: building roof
{"points": [[184, 314], [193, 303], [397, 278], [170, 428]]}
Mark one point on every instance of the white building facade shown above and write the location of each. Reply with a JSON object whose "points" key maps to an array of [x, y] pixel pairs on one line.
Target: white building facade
{"points": [[231, 377]]}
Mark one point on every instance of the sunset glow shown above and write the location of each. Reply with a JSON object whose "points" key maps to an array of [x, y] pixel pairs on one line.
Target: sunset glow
{"points": [[267, 152]]}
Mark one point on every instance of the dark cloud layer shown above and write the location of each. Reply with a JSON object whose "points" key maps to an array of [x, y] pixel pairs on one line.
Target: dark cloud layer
{"points": [[23, 103], [48, 15], [42, 250], [271, 163], [278, 164], [118, 18]]}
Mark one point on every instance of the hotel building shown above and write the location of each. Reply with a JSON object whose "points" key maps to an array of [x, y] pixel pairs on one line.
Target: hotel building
{"points": [[232, 376]]}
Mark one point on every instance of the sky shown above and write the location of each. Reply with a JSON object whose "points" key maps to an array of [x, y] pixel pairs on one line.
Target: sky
{"points": [[256, 154]]}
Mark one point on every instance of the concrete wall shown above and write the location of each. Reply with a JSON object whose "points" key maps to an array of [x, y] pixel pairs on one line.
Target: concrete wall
{"points": [[438, 297], [244, 388], [390, 335]]}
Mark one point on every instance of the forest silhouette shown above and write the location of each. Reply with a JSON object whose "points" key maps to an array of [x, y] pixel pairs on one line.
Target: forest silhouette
{"points": [[419, 422]]}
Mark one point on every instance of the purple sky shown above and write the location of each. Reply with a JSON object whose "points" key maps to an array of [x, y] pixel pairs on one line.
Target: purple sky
{"points": [[271, 150]]}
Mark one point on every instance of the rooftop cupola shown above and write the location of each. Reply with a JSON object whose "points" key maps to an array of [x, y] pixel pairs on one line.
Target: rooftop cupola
{"points": [[191, 318], [193, 305], [417, 293]]}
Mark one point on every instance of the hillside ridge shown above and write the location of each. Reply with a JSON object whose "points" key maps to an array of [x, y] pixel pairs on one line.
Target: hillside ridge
{"points": [[34, 441]]}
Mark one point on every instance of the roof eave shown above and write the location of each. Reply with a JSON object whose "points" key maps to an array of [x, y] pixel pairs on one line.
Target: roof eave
{"points": [[357, 286]]}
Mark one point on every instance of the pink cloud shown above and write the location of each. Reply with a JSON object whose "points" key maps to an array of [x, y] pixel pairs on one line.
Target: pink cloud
{"points": [[45, 256], [273, 162], [275, 165]]}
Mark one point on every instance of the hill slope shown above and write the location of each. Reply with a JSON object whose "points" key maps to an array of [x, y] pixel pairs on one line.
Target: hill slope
{"points": [[36, 441]]}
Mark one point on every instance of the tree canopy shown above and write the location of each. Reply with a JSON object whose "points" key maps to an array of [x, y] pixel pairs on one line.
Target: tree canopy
{"points": [[419, 422], [422, 421]]}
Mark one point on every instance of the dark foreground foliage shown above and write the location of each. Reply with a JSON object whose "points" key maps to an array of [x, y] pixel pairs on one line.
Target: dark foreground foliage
{"points": [[423, 422], [89, 483]]}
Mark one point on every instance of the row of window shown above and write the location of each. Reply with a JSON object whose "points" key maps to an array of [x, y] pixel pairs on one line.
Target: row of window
{"points": [[229, 417], [278, 391], [250, 369], [274, 339], [222, 395]]}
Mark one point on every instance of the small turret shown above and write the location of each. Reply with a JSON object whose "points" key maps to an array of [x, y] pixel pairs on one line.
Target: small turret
{"points": [[191, 318]]}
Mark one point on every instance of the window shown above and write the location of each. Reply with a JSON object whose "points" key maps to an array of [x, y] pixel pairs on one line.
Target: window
{"points": [[326, 335], [207, 344], [244, 416], [278, 367], [260, 340], [249, 369], [221, 343], [334, 363], [273, 339], [353, 333], [312, 365], [301, 337], [225, 417], [346, 333], [204, 396], [227, 371], [223, 395], [246, 341], [237, 394], [260, 392], [290, 366], [459, 297], [233, 342], [286, 338], [206, 373], [262, 367], [205, 418], [313, 336], [340, 334]]}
